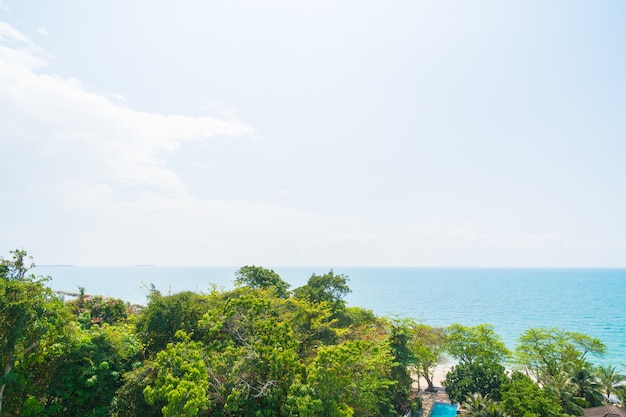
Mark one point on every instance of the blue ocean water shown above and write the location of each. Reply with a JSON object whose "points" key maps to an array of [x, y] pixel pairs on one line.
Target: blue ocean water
{"points": [[591, 301]]}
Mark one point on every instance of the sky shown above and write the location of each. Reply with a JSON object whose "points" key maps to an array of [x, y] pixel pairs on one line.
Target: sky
{"points": [[314, 133]]}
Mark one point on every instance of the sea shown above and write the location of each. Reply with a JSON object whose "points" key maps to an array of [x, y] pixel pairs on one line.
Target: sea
{"points": [[590, 301]]}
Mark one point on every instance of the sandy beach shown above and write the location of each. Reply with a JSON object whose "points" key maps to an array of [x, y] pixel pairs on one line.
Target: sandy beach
{"points": [[438, 377]]}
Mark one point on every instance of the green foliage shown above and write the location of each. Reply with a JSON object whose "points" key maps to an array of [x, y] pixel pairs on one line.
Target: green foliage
{"points": [[261, 278], [165, 315], [548, 352], [586, 386], [478, 405], [399, 340], [312, 324], [563, 388], [522, 397], [85, 371], [182, 379], [620, 393], [130, 401], [427, 345], [251, 354], [92, 310], [329, 288], [31, 317], [470, 343], [476, 377], [257, 351], [347, 379], [609, 377]]}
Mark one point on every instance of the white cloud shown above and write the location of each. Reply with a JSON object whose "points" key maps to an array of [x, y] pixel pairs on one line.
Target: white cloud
{"points": [[122, 146], [92, 183], [43, 32]]}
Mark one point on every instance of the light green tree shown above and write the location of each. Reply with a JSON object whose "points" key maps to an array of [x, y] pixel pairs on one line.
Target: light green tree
{"points": [[349, 379], [546, 352], [469, 343], [428, 345], [182, 379]]}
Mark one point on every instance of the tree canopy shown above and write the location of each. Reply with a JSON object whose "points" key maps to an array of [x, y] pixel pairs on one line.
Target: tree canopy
{"points": [[259, 350]]}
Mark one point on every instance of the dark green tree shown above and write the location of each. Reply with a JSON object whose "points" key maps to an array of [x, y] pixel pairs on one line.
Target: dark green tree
{"points": [[587, 386], [261, 278], [329, 288], [482, 377], [165, 315], [130, 401], [399, 342], [84, 372]]}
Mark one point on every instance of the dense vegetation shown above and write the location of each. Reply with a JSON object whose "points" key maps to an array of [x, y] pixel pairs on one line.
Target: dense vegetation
{"points": [[263, 350]]}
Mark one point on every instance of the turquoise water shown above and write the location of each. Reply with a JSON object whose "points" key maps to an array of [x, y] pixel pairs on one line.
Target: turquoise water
{"points": [[443, 410], [591, 301]]}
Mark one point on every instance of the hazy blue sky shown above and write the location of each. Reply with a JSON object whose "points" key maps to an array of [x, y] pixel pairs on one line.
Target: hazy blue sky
{"points": [[318, 133]]}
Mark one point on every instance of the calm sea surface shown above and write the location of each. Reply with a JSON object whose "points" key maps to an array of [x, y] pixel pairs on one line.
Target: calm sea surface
{"points": [[591, 301]]}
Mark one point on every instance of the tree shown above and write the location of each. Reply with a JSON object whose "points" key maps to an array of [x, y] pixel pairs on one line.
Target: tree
{"points": [[94, 310], [84, 373], [468, 344], [30, 314], [478, 405], [586, 386], [130, 401], [165, 315], [312, 324], [399, 342], [328, 288], [482, 377], [563, 387], [609, 378], [522, 397], [258, 277], [182, 379], [348, 379], [251, 353], [547, 352], [620, 393], [427, 344]]}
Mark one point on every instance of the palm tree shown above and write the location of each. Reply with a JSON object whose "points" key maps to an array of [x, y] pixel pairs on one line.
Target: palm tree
{"points": [[620, 393], [609, 377], [587, 387], [562, 386], [478, 405]]}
